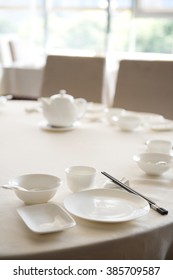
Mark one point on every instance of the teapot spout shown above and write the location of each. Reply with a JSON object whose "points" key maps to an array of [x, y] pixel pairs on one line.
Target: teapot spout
{"points": [[46, 106], [45, 100]]}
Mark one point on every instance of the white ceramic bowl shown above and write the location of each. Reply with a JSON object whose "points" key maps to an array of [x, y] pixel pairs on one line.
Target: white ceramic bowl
{"points": [[41, 187], [80, 178], [95, 111], [129, 122], [113, 114], [159, 146], [154, 163]]}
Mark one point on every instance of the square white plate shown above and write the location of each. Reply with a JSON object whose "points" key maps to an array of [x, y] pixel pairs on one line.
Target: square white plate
{"points": [[45, 218]]}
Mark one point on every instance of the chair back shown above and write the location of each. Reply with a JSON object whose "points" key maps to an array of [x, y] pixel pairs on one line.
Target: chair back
{"points": [[79, 76], [145, 86]]}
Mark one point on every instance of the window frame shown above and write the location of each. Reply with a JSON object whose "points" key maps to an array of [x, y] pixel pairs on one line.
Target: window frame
{"points": [[141, 12]]}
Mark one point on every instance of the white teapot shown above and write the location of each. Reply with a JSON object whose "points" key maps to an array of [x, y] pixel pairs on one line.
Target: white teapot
{"points": [[63, 109]]}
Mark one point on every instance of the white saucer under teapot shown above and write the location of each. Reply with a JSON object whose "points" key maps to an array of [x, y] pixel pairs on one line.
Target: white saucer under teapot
{"points": [[62, 109]]}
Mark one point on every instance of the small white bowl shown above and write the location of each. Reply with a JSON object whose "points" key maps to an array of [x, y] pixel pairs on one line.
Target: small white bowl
{"points": [[95, 111], [129, 122], [113, 114], [40, 187], [154, 163], [80, 178], [159, 146], [95, 107]]}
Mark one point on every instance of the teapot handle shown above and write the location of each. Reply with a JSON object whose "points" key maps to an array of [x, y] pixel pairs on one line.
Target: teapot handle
{"points": [[81, 104]]}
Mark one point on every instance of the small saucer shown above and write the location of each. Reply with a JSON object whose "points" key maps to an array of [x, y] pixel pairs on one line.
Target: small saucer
{"points": [[46, 126]]}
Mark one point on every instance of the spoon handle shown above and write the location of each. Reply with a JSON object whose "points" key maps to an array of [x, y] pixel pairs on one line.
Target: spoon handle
{"points": [[8, 187]]}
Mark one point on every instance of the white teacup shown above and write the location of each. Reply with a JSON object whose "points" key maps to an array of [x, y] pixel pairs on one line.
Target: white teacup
{"points": [[80, 178], [159, 146], [129, 122]]}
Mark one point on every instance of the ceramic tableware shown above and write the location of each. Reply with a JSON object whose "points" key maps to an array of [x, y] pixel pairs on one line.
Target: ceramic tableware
{"points": [[154, 163], [47, 127], [62, 109], [80, 178], [106, 205], [113, 114], [152, 204], [129, 122], [108, 184], [149, 118], [45, 218], [95, 111], [163, 125], [40, 187], [159, 146]]}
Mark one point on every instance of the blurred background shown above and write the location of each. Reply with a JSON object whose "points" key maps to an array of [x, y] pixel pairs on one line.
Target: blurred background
{"points": [[29, 30], [85, 26]]}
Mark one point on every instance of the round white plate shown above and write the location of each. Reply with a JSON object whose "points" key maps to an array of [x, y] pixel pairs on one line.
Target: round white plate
{"points": [[44, 125], [162, 126], [45, 218], [150, 117], [106, 205]]}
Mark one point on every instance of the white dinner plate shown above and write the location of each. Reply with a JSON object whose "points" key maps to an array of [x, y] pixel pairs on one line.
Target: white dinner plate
{"points": [[106, 205], [45, 218], [150, 117], [44, 125], [162, 125]]}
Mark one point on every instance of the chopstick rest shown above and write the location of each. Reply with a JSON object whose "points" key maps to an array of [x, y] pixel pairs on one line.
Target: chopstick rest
{"points": [[153, 205]]}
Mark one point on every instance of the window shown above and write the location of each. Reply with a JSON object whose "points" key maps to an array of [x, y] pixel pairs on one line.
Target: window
{"points": [[22, 20], [89, 25], [76, 25], [154, 26], [163, 8]]}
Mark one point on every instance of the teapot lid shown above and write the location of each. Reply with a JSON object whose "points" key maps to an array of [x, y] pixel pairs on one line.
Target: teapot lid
{"points": [[63, 95]]}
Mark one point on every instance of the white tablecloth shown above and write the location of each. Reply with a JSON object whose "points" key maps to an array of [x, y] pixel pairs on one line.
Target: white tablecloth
{"points": [[26, 148]]}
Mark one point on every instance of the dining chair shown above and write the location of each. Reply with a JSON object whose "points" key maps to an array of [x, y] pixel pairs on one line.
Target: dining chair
{"points": [[79, 76], [145, 86]]}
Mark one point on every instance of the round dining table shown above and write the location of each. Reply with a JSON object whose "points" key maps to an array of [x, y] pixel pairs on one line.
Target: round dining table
{"points": [[27, 146]]}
